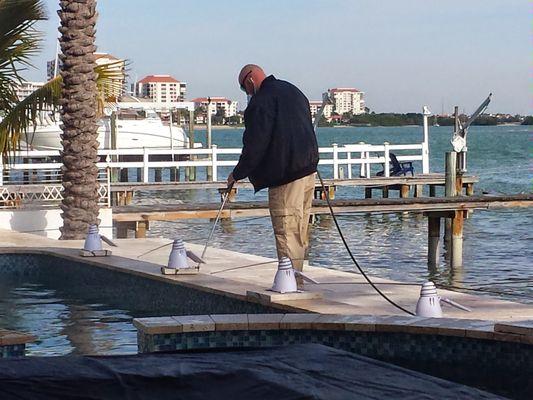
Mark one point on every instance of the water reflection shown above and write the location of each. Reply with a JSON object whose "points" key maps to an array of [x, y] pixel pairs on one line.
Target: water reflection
{"points": [[64, 324]]}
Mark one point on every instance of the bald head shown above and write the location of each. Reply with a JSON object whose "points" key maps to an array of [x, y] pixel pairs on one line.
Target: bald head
{"points": [[251, 77]]}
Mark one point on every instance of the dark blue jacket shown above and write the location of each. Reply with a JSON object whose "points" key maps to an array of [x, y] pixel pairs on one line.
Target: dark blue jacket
{"points": [[279, 143]]}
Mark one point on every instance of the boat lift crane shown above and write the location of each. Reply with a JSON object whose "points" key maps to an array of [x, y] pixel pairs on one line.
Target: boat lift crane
{"points": [[459, 135]]}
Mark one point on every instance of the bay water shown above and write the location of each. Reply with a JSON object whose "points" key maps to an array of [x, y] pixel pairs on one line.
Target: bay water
{"points": [[498, 244]]}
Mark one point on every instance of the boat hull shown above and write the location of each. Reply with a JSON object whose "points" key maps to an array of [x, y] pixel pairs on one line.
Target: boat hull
{"points": [[130, 135]]}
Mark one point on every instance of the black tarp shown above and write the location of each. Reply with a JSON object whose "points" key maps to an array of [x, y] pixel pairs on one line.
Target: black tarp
{"points": [[307, 371]]}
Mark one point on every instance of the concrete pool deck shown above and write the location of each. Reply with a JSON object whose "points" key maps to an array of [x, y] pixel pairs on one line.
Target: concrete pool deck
{"points": [[341, 292]]}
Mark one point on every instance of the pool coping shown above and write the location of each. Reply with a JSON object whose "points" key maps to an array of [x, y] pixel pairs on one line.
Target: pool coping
{"points": [[474, 329], [202, 282], [341, 292]]}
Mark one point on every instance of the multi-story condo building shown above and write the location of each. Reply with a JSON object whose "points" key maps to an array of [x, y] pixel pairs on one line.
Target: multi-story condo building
{"points": [[161, 88], [229, 107], [24, 89], [314, 105], [348, 100]]}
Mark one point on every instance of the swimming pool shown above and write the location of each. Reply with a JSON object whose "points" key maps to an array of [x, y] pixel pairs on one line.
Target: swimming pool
{"points": [[76, 308]]}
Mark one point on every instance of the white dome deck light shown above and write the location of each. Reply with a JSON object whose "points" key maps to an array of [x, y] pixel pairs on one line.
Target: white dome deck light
{"points": [[285, 278], [429, 303], [178, 260], [93, 244]]}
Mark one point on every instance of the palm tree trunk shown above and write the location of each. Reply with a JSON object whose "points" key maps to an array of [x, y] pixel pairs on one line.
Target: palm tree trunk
{"points": [[78, 115]]}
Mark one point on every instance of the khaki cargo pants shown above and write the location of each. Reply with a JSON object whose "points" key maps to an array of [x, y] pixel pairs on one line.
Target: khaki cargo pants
{"points": [[290, 208]]}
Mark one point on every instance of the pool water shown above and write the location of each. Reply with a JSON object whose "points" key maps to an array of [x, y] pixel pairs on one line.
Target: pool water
{"points": [[64, 323], [75, 308]]}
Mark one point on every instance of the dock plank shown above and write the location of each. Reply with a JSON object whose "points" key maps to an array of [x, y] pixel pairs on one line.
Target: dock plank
{"points": [[167, 212]]}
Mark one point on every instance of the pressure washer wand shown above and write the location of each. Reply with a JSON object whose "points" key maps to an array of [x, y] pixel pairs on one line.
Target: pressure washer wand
{"points": [[224, 200]]}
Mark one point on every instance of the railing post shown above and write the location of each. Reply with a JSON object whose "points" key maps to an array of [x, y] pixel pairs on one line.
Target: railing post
{"points": [[425, 143], [362, 155], [145, 165], [208, 170], [386, 168], [214, 172], [367, 157], [349, 164], [335, 161]]}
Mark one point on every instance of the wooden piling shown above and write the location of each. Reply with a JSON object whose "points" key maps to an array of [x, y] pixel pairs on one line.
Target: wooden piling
{"points": [[404, 191], [459, 184], [432, 191], [450, 174], [385, 192], [419, 191], [368, 193], [433, 242], [449, 187], [457, 240], [140, 229]]}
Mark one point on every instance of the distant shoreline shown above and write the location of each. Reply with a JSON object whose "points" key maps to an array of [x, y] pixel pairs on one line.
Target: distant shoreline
{"points": [[229, 127]]}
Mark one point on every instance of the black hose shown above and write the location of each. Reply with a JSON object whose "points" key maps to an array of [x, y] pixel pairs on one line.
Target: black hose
{"points": [[351, 254]]}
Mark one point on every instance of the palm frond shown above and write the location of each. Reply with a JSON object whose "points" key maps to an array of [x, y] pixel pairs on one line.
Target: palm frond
{"points": [[110, 82], [19, 41], [24, 116]]}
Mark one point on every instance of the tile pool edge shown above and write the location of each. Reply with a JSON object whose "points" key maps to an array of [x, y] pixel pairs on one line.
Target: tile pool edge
{"points": [[451, 327], [206, 283]]}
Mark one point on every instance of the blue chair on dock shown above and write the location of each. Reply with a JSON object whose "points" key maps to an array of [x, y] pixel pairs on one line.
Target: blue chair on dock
{"points": [[398, 168]]}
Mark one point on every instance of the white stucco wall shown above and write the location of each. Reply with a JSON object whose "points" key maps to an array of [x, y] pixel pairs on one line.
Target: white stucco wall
{"points": [[46, 222]]}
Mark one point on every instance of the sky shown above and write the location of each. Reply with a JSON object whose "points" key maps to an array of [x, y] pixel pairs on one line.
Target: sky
{"points": [[402, 54]]}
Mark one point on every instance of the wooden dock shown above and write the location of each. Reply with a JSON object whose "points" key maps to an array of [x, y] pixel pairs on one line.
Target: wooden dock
{"points": [[452, 209], [123, 192], [435, 179], [169, 212]]}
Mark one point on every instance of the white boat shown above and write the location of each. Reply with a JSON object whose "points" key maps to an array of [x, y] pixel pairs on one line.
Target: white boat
{"points": [[134, 129]]}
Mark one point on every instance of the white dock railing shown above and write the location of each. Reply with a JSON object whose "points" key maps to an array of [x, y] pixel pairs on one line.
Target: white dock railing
{"points": [[47, 167], [35, 176]]}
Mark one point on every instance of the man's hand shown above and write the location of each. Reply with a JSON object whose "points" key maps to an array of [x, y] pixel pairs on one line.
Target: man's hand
{"points": [[231, 180]]}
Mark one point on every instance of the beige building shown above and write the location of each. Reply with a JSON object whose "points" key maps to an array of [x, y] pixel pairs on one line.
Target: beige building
{"points": [[348, 100], [229, 107], [314, 105], [161, 88], [24, 89]]}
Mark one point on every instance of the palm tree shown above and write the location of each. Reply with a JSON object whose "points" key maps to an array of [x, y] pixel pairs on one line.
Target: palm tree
{"points": [[81, 90], [79, 116]]}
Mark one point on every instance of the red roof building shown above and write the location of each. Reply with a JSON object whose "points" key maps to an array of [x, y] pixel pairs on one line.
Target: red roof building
{"points": [[161, 88]]}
